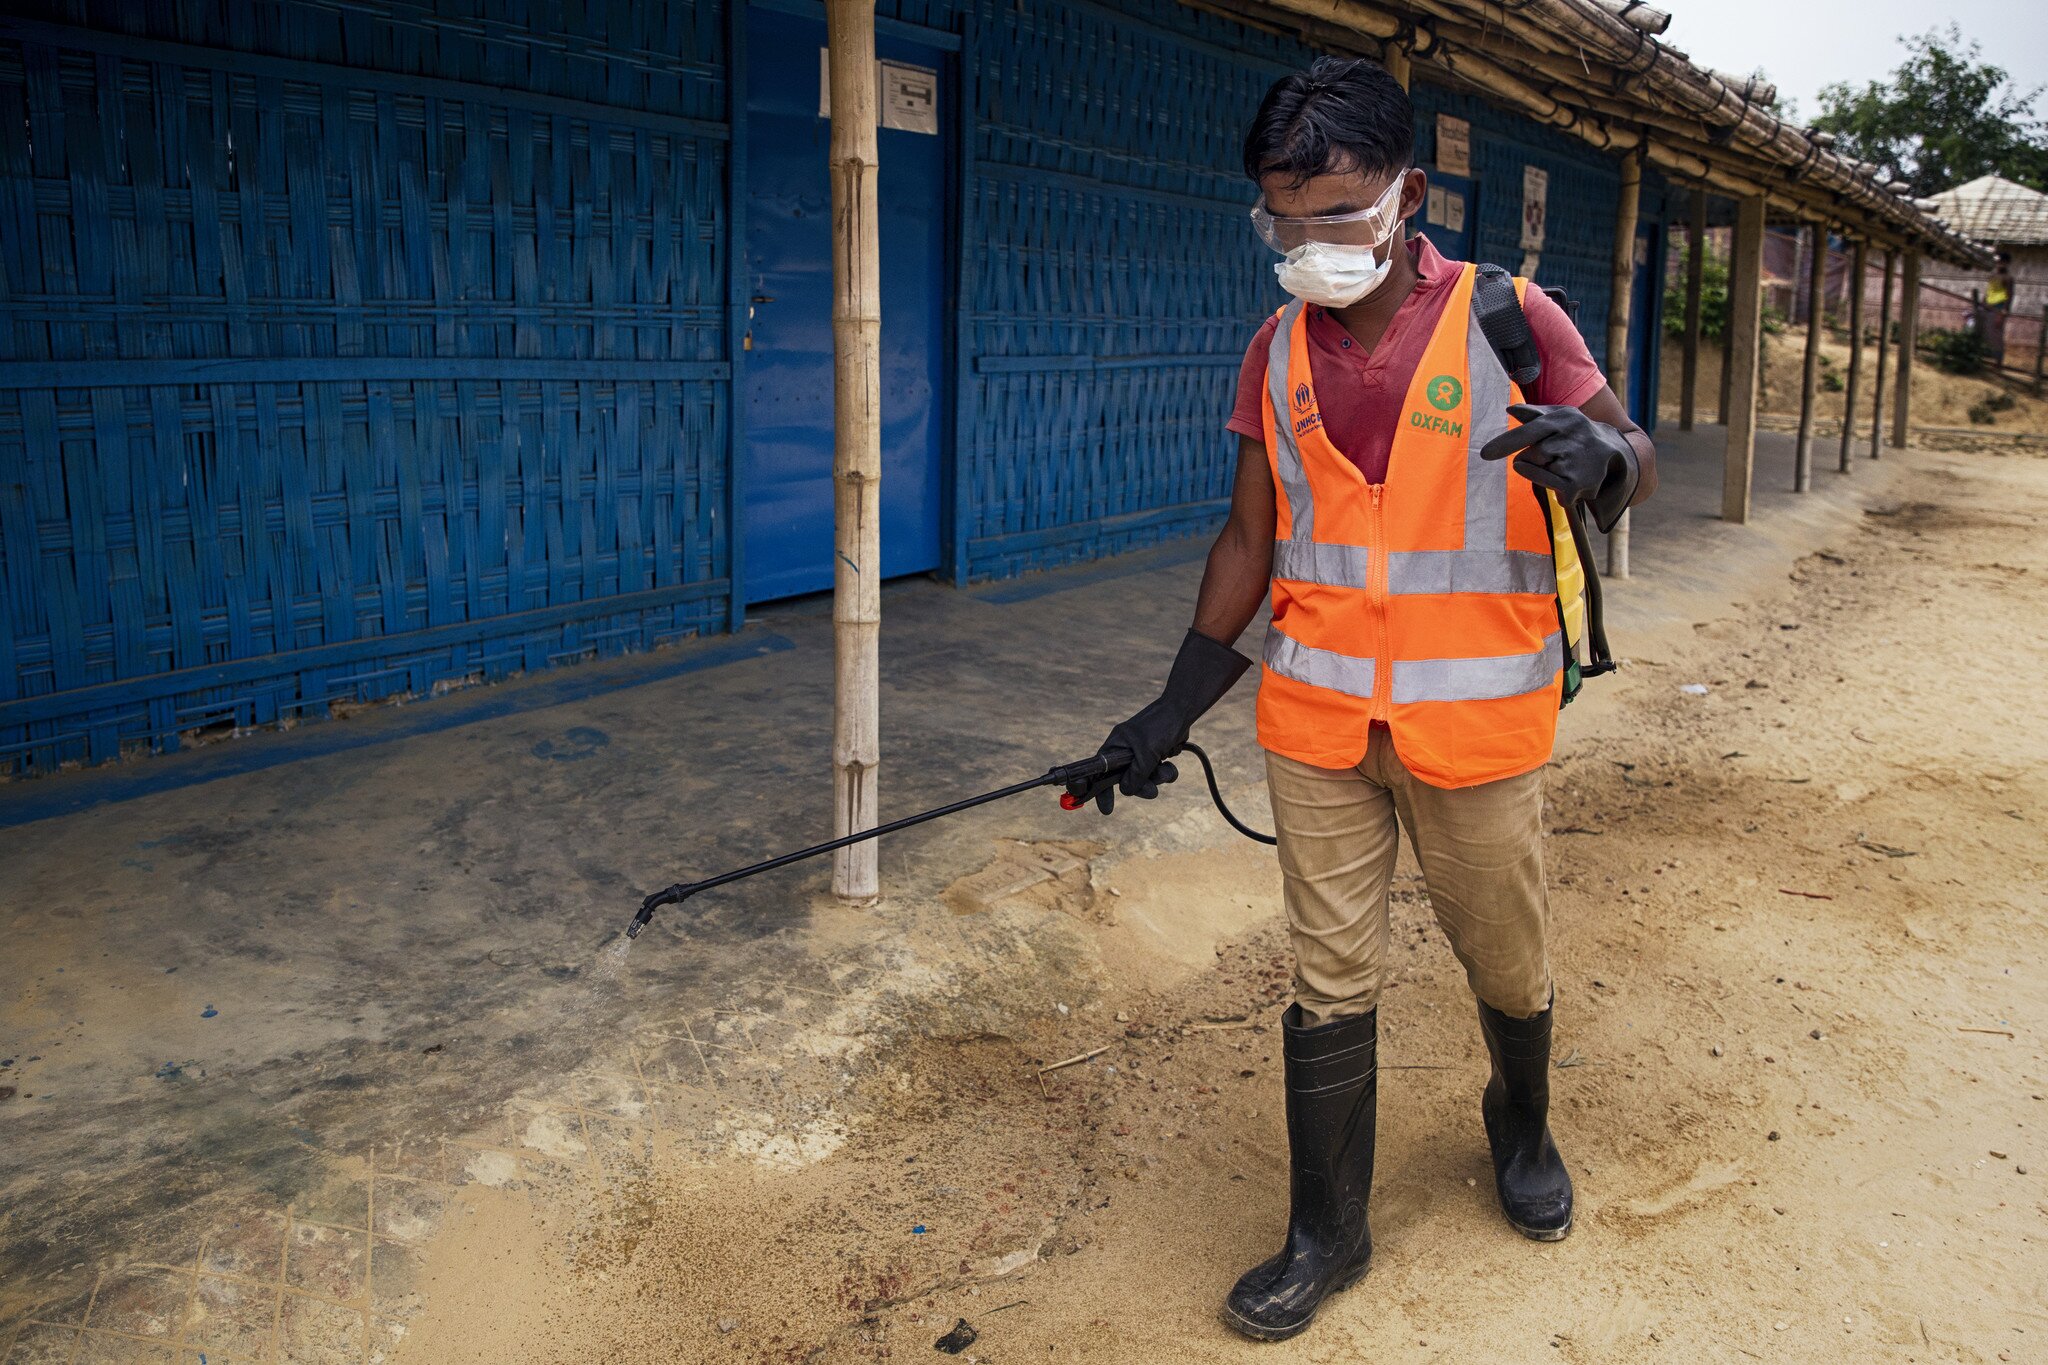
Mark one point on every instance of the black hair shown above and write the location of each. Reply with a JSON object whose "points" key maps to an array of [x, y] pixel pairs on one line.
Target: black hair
{"points": [[1342, 114]]}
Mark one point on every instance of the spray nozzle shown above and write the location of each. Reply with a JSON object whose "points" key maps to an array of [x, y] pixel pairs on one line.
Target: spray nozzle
{"points": [[652, 904]]}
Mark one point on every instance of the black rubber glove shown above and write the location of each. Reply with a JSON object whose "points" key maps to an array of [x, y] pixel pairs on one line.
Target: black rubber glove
{"points": [[1138, 748], [1580, 459]]}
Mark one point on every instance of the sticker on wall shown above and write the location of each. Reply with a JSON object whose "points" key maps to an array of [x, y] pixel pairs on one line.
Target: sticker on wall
{"points": [[1454, 211], [1453, 146], [1532, 261], [907, 96], [1535, 206], [1434, 211]]}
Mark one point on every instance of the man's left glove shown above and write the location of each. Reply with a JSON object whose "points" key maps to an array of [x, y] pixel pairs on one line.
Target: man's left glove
{"points": [[1580, 459], [1202, 672]]}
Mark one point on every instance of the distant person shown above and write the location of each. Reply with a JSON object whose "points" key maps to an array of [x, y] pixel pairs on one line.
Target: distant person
{"points": [[1415, 663], [1997, 307]]}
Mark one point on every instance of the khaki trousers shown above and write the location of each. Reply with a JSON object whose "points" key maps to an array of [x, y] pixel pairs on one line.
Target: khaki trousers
{"points": [[1481, 852]]}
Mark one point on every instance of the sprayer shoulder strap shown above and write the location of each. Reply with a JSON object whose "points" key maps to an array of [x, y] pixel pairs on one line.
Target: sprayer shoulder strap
{"points": [[1500, 314], [1506, 326]]}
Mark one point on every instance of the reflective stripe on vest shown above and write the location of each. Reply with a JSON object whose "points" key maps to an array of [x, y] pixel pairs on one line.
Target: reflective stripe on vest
{"points": [[1333, 566], [1421, 571], [1507, 675], [1483, 679], [1301, 500], [1345, 673]]}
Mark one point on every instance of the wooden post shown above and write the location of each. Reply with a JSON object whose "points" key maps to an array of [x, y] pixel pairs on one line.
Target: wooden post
{"points": [[1909, 337], [1620, 290], [856, 444], [1735, 268], [1695, 279], [1745, 326], [1809, 380], [1884, 333], [1855, 351], [2040, 348], [1398, 63]]}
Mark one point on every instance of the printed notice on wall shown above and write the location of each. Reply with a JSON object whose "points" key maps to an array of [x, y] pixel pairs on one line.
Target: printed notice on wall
{"points": [[1453, 145], [910, 98], [1535, 196], [908, 95], [1454, 211], [1433, 210]]}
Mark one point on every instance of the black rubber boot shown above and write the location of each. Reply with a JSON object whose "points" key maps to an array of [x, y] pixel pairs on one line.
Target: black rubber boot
{"points": [[1535, 1189], [1332, 1092]]}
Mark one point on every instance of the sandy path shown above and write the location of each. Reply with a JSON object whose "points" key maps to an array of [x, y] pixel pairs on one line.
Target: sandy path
{"points": [[1803, 993]]}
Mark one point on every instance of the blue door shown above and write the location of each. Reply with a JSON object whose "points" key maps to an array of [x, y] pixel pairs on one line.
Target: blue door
{"points": [[788, 391], [1645, 327]]}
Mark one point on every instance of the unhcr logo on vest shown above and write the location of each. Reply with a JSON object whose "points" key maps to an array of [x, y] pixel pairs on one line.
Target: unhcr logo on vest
{"points": [[1309, 417], [1444, 393]]}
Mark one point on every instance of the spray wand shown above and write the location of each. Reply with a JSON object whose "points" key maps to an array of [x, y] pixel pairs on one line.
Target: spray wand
{"points": [[1088, 770]]}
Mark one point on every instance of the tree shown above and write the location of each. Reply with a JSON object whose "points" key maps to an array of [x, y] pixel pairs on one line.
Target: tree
{"points": [[1945, 116]]}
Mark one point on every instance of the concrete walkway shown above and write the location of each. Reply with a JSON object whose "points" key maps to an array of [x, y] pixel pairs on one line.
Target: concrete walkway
{"points": [[270, 1000]]}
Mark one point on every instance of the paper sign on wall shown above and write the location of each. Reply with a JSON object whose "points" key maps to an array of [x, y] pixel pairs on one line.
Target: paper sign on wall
{"points": [[1535, 206], [1453, 146], [1433, 211], [1454, 211], [908, 96]]}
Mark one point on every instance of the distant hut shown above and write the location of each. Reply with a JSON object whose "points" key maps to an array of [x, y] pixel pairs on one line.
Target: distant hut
{"points": [[2007, 217]]}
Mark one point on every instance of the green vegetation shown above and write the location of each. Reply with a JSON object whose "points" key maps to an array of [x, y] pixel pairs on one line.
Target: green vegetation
{"points": [[1944, 116], [1713, 298], [1985, 410], [1960, 352]]}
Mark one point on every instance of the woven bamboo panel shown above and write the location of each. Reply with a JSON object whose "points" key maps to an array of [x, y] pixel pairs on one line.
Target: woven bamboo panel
{"points": [[1114, 278], [349, 350]]}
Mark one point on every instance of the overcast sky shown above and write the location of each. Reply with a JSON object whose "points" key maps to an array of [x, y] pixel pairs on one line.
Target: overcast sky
{"points": [[1805, 44]]}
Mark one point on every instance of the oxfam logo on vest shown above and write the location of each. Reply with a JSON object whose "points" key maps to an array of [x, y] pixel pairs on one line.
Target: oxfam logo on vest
{"points": [[1444, 393]]}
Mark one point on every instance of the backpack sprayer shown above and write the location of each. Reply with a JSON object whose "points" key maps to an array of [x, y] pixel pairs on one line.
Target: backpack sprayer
{"points": [[1087, 772]]}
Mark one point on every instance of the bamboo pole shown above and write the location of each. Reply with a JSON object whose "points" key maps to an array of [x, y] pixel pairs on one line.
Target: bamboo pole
{"points": [[1398, 63], [1620, 291], [1909, 337], [1809, 378], [856, 446], [1855, 351], [1884, 332], [1695, 282], [1745, 325]]}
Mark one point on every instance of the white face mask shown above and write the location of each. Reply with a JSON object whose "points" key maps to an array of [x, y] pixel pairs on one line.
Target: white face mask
{"points": [[1333, 275]]}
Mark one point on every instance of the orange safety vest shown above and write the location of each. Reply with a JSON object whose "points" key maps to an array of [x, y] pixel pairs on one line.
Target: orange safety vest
{"points": [[1431, 601]]}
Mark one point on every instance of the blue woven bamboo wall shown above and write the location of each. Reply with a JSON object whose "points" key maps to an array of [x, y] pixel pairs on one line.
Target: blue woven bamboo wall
{"points": [[348, 350], [1112, 279]]}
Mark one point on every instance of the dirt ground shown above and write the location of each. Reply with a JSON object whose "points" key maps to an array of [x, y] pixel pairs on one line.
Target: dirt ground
{"points": [[1801, 1083]]}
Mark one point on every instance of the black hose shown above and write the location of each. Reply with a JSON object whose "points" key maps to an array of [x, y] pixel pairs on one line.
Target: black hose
{"points": [[1216, 795]]}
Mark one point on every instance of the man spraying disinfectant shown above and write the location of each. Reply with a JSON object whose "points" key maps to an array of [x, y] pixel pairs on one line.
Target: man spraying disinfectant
{"points": [[1419, 647]]}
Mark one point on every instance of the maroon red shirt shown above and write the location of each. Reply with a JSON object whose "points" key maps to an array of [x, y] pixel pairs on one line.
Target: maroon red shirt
{"points": [[1361, 393]]}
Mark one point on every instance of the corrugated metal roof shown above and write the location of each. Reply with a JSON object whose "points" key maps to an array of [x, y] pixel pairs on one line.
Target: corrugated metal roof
{"points": [[1995, 210]]}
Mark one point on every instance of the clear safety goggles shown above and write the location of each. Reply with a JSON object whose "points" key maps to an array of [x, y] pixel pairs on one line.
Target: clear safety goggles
{"points": [[1366, 227]]}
